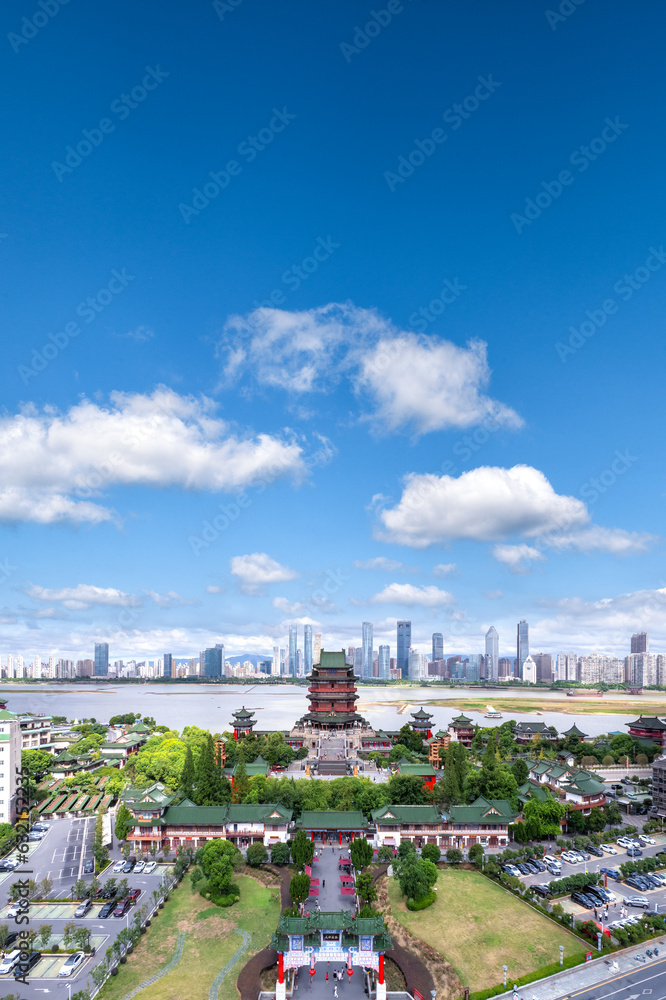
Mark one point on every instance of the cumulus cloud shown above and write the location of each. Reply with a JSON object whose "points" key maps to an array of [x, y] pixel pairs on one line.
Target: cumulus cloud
{"points": [[607, 623], [213, 589], [255, 570], [411, 382], [52, 464], [411, 596], [383, 564], [288, 607], [445, 569], [493, 504], [82, 596]]}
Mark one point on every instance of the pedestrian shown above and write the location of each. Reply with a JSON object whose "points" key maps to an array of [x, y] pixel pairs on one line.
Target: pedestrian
{"points": [[327, 977], [323, 883], [595, 913], [335, 991]]}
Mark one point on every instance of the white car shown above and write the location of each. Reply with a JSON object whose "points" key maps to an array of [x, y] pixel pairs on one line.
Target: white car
{"points": [[119, 865], [149, 868], [571, 858], [608, 848], [644, 839], [550, 859], [139, 867], [72, 963], [14, 910], [625, 842], [9, 961], [555, 870]]}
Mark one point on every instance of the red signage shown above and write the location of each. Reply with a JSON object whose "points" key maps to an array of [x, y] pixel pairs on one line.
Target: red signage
{"points": [[588, 956]]}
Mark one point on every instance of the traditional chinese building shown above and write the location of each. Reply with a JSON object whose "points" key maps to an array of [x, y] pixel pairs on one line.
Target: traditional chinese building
{"points": [[333, 827], [242, 721], [648, 728], [337, 937], [461, 728], [437, 744], [332, 695], [525, 732], [425, 772], [574, 731], [421, 724]]}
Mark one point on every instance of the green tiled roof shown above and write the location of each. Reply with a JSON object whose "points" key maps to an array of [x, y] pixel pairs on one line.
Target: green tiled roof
{"points": [[461, 720], [153, 796], [259, 766], [242, 713], [332, 819], [647, 722], [574, 731], [406, 814], [333, 660], [530, 727], [421, 714], [186, 813], [483, 810], [531, 789], [419, 770], [337, 920], [585, 786], [5, 716], [267, 812]]}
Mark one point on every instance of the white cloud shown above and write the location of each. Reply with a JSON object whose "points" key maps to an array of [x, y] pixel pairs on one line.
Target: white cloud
{"points": [[381, 563], [140, 334], [494, 504], [288, 607], [411, 596], [517, 557], [493, 595], [444, 569], [51, 464], [256, 569], [82, 596], [212, 589], [169, 600], [605, 624], [412, 382]]}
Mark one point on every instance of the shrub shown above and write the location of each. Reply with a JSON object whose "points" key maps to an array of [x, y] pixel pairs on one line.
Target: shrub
{"points": [[224, 900], [280, 854], [454, 855], [431, 852], [256, 855], [608, 761], [421, 904]]}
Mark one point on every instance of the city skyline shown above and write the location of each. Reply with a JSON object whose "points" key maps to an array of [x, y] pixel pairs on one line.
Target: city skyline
{"points": [[366, 372]]}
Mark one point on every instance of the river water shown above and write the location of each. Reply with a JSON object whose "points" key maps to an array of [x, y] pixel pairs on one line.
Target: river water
{"points": [[279, 706]]}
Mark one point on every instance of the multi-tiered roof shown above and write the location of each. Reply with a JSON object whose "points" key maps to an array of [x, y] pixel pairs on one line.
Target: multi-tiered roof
{"points": [[332, 693]]}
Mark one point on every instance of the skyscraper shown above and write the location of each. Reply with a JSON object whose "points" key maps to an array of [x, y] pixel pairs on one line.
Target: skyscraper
{"points": [[275, 666], [293, 645], [168, 665], [366, 645], [212, 662], [384, 663], [416, 665], [437, 646], [640, 642], [404, 636], [492, 654], [522, 646], [358, 661], [307, 648], [101, 659]]}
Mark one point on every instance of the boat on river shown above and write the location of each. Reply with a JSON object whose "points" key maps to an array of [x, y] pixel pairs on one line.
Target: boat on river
{"points": [[492, 713]]}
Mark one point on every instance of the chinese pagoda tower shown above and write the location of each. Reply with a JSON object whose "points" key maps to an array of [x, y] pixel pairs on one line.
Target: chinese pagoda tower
{"points": [[242, 721], [332, 694]]}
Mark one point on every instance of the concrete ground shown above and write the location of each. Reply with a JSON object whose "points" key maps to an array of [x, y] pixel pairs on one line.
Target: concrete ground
{"points": [[325, 868]]}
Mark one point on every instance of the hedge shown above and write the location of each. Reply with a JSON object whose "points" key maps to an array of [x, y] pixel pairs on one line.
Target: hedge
{"points": [[563, 886], [542, 973], [421, 904]]}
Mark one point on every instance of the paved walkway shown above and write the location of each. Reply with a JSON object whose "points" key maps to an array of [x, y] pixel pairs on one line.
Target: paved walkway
{"points": [[600, 970], [325, 868]]}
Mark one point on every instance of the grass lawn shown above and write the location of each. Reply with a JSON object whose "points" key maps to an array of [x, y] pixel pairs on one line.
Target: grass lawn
{"points": [[479, 927], [209, 944]]}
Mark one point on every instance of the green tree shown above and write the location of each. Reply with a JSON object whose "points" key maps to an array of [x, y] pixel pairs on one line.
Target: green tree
{"points": [[520, 771], [406, 789], [210, 787], [494, 780], [302, 850], [220, 875], [186, 784], [543, 817], [299, 888], [240, 786], [36, 762], [596, 821], [454, 855], [361, 853], [412, 879], [124, 822], [476, 854], [280, 854], [385, 854], [365, 888], [216, 850], [256, 855], [412, 740], [431, 852], [612, 813]]}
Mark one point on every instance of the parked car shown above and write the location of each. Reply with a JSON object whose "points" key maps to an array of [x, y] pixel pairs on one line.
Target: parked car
{"points": [[134, 894], [9, 961], [644, 840], [128, 867], [43, 827], [634, 852], [595, 850], [139, 867], [612, 873], [523, 868], [624, 842], [82, 909], [122, 907], [89, 866], [608, 848], [29, 963], [554, 869], [550, 858], [511, 870], [119, 865], [583, 854], [35, 836], [661, 879], [108, 909], [150, 867], [571, 858], [72, 963], [638, 901], [583, 900], [539, 865], [630, 795], [542, 889], [626, 780]]}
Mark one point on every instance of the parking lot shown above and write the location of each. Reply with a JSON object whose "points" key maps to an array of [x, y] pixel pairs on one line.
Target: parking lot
{"points": [[656, 897]]}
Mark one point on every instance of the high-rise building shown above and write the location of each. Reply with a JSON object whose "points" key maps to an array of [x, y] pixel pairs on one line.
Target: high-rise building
{"points": [[316, 652], [10, 766], [358, 661], [473, 667], [437, 646], [275, 666], [640, 642], [504, 669], [283, 661], [384, 663], [416, 665], [350, 655], [366, 650], [544, 667], [101, 659], [492, 654], [168, 668], [522, 645], [212, 662], [307, 648], [404, 644], [529, 672], [293, 646]]}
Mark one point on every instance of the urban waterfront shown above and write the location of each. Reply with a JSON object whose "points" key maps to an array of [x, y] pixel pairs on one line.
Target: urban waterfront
{"points": [[278, 706]]}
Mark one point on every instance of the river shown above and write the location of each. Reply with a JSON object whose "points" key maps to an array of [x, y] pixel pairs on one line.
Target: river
{"points": [[279, 706]]}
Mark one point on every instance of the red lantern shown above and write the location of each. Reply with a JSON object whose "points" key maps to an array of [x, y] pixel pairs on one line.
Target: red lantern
{"points": [[350, 973], [312, 972]]}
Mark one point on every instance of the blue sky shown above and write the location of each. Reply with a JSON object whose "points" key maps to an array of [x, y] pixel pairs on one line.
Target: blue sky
{"points": [[261, 348]]}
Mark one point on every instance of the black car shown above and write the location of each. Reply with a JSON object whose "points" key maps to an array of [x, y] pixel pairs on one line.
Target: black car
{"points": [[539, 865], [583, 900], [599, 900], [542, 890], [128, 867], [595, 850], [108, 909], [531, 867], [89, 866], [106, 893], [30, 962]]}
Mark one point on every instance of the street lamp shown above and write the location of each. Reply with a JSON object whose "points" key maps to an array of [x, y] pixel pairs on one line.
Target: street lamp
{"points": [[505, 969], [599, 937], [561, 955]]}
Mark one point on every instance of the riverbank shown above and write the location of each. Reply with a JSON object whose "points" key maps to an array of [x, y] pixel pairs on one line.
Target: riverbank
{"points": [[535, 706]]}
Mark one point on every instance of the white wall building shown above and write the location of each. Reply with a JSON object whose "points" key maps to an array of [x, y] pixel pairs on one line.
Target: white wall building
{"points": [[10, 763]]}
